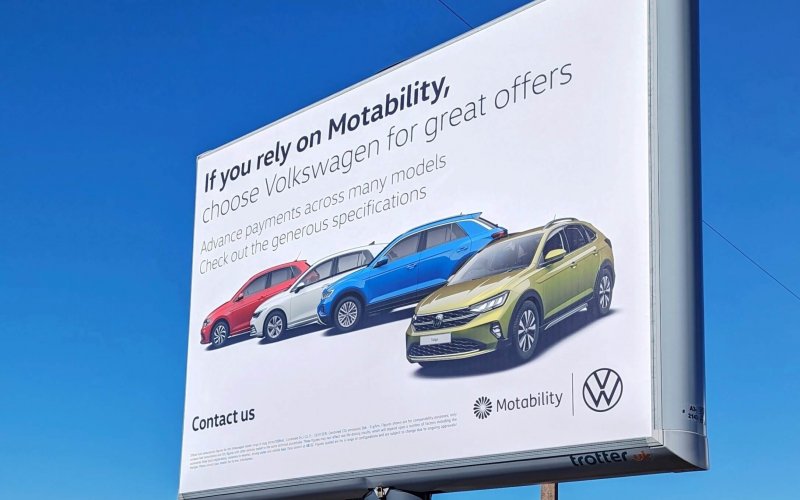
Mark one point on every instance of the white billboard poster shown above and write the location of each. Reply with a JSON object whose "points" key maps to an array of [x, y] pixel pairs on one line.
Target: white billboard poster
{"points": [[450, 264]]}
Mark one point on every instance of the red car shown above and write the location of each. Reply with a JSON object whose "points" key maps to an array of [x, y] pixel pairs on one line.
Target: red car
{"points": [[233, 317]]}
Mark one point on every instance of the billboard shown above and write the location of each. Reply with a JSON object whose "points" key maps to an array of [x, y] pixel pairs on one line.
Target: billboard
{"points": [[478, 268]]}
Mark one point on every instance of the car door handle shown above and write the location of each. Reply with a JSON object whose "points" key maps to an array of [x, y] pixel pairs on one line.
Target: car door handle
{"points": [[411, 266], [573, 264], [462, 249]]}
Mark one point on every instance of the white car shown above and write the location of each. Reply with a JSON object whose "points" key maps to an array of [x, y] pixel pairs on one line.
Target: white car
{"points": [[297, 306]]}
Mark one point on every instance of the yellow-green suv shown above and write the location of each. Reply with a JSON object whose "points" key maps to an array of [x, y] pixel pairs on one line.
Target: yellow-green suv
{"points": [[511, 291]]}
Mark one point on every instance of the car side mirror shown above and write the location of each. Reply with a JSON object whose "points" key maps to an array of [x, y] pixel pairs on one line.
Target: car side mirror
{"points": [[299, 287], [381, 262], [554, 256], [239, 297]]}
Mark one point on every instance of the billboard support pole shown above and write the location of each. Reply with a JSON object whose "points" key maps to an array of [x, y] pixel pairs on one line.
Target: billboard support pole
{"points": [[382, 493], [549, 491]]}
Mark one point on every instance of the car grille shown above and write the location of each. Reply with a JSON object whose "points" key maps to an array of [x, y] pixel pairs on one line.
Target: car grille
{"points": [[253, 331], [456, 346], [448, 319]]}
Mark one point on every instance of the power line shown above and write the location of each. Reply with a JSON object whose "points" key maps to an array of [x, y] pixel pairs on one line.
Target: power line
{"points": [[753, 261], [776, 280], [455, 13]]}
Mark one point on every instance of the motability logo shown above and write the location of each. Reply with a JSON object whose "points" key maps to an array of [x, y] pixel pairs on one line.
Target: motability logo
{"points": [[602, 390], [482, 407]]}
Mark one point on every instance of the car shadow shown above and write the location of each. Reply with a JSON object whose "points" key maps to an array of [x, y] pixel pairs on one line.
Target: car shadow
{"points": [[567, 328], [503, 360], [230, 342], [293, 333], [375, 320]]}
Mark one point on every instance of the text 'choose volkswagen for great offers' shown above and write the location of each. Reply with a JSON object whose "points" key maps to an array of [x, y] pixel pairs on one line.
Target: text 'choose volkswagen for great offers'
{"points": [[233, 317], [512, 290], [409, 268], [297, 306]]}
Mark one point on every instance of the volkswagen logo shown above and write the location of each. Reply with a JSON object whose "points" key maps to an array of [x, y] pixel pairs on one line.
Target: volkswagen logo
{"points": [[482, 407], [602, 390], [437, 321]]}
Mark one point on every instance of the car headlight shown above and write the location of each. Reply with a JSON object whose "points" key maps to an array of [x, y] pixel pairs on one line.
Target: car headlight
{"points": [[490, 303], [327, 292], [257, 313]]}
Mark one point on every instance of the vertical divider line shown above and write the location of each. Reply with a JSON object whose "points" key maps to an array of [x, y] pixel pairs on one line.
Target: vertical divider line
{"points": [[572, 391]]}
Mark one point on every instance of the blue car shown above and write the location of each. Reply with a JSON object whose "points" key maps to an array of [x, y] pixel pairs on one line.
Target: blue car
{"points": [[407, 270]]}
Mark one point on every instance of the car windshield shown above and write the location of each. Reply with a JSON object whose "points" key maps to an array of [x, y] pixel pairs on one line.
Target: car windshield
{"points": [[499, 257]]}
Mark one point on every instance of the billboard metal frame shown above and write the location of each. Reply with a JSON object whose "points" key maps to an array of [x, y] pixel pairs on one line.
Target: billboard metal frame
{"points": [[677, 443]]}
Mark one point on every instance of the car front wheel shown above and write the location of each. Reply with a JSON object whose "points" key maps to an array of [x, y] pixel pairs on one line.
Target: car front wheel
{"points": [[603, 292], [219, 334], [347, 314], [525, 330], [274, 326]]}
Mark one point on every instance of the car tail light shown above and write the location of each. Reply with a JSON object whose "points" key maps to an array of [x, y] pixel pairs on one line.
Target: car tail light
{"points": [[499, 234]]}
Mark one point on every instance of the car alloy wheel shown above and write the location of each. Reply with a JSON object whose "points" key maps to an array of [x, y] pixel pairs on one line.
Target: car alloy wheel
{"points": [[219, 334], [348, 313], [603, 292], [274, 326], [526, 330]]}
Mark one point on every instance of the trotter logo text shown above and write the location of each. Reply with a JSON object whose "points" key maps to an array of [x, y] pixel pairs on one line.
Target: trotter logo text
{"points": [[602, 390], [482, 407]]}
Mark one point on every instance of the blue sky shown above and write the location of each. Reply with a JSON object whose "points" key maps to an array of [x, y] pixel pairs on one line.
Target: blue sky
{"points": [[103, 108]]}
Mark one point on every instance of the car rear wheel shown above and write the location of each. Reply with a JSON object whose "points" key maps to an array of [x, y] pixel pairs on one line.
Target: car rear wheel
{"points": [[603, 292], [525, 330], [347, 313], [274, 326], [219, 334]]}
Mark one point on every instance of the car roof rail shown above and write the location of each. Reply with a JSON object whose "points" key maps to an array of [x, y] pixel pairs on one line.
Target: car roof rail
{"points": [[560, 219], [452, 218]]}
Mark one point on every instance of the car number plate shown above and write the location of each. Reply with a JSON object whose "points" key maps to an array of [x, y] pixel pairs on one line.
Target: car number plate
{"points": [[443, 338]]}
